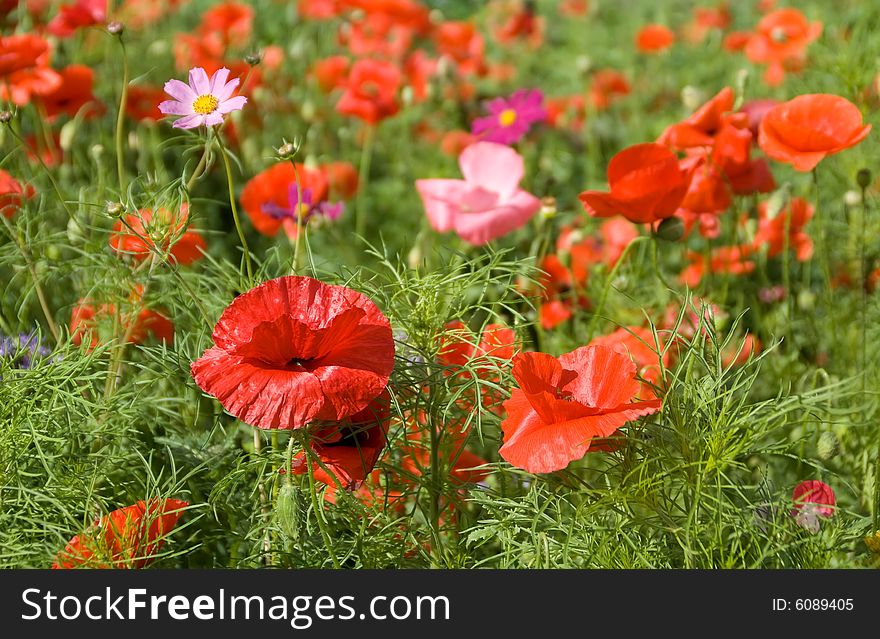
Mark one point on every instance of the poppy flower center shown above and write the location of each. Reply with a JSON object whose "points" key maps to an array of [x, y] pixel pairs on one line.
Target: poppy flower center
{"points": [[779, 35], [507, 117], [205, 104], [370, 89], [296, 364]]}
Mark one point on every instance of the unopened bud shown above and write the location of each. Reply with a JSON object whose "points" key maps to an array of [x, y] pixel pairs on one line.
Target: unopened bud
{"points": [[287, 150], [253, 59], [115, 209], [863, 178], [115, 28], [828, 446], [548, 207], [671, 229], [5, 117]]}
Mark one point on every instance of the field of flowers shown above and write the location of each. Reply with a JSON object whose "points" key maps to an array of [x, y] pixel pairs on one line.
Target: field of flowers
{"points": [[413, 283]]}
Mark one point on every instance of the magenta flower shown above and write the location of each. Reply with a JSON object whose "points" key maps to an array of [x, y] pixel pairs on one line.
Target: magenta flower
{"points": [[202, 101], [510, 119], [488, 202]]}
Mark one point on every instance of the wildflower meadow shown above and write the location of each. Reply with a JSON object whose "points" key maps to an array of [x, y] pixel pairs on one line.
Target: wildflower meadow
{"points": [[439, 284]]}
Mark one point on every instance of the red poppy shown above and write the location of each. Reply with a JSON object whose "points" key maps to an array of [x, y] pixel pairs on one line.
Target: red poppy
{"points": [[24, 70], [771, 231], [371, 91], [349, 449], [408, 13], [13, 194], [638, 343], [802, 131], [73, 94], [147, 229], [816, 494], [86, 322], [647, 184], [567, 111], [342, 179], [293, 350], [419, 69], [270, 188], [129, 537], [725, 260], [653, 38], [562, 404], [231, 21], [318, 9], [607, 86], [574, 8], [331, 73], [142, 102], [755, 110], [462, 42], [453, 143], [705, 20], [522, 24], [85, 13], [780, 41], [737, 354]]}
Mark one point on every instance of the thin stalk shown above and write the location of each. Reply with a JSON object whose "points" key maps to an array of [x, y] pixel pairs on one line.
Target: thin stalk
{"points": [[244, 245], [120, 120], [601, 307], [264, 501], [360, 220], [316, 506], [200, 167], [41, 296], [46, 170], [436, 487]]}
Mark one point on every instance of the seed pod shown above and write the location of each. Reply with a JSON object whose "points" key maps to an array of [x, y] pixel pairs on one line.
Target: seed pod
{"points": [[671, 229], [828, 446], [863, 178], [288, 514]]}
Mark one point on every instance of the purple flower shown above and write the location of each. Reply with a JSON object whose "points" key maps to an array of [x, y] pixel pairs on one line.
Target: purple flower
{"points": [[202, 101], [304, 207], [23, 350], [510, 119]]}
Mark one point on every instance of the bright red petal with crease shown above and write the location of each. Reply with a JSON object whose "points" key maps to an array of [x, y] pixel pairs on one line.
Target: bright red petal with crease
{"points": [[605, 378], [260, 396]]}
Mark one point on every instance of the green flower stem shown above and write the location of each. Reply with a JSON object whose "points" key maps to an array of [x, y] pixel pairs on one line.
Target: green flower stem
{"points": [[316, 506], [41, 296], [244, 245], [120, 120], [360, 219], [601, 307]]}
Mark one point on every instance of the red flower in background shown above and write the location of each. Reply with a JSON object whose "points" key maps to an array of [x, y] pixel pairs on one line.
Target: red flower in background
{"points": [[371, 91], [724, 260], [802, 131], [293, 350], [331, 73], [348, 450], [342, 179], [813, 500], [86, 322], [74, 92], [142, 102], [147, 229], [232, 22], [24, 70], [654, 38], [647, 184], [130, 537], [85, 13], [771, 231], [270, 187], [13, 194], [780, 42], [463, 44], [607, 86], [562, 404]]}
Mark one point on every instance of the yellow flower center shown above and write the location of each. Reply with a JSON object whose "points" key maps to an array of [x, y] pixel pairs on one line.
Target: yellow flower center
{"points": [[205, 104], [507, 117]]}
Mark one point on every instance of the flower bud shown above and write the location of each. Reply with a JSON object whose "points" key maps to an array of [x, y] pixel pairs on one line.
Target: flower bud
{"points": [[5, 117], [115, 209], [671, 229], [254, 58], [287, 510], [548, 207], [115, 28], [828, 446], [863, 178]]}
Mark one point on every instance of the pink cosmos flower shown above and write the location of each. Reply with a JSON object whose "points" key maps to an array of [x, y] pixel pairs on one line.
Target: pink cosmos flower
{"points": [[488, 202], [510, 119], [203, 101]]}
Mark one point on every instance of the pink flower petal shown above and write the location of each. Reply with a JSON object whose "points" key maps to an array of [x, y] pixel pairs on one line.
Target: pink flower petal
{"points": [[180, 91], [173, 107], [232, 104], [440, 198], [199, 82], [222, 92], [218, 81], [189, 121], [494, 167]]}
